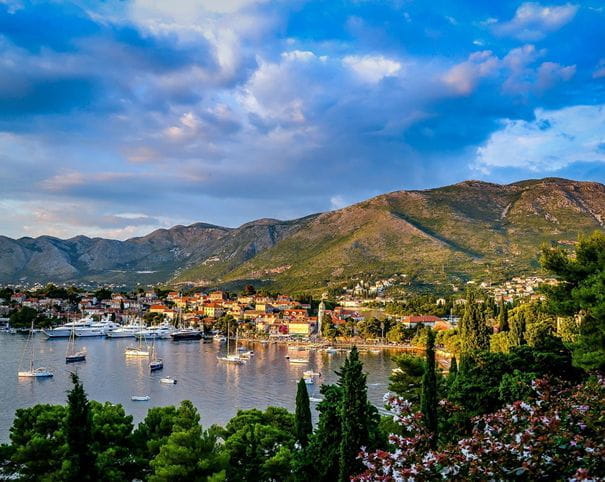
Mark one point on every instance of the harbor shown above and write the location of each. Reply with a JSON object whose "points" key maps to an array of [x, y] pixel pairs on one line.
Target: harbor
{"points": [[217, 389]]}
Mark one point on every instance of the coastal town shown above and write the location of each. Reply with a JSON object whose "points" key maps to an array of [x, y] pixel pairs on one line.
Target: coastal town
{"points": [[261, 315]]}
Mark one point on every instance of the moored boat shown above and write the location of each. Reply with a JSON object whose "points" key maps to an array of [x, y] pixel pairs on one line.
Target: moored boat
{"points": [[140, 398], [168, 380]]}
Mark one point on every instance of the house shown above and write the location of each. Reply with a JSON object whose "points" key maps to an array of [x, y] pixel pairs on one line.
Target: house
{"points": [[213, 310], [217, 296], [413, 321]]}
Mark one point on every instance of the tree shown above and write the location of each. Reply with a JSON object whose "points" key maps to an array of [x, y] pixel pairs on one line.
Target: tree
{"points": [[260, 444], [249, 290], [503, 316], [190, 453], [151, 434], [474, 332], [322, 459], [37, 444], [406, 379], [581, 293], [112, 442], [23, 317], [453, 372], [428, 399], [357, 421], [304, 424], [80, 461]]}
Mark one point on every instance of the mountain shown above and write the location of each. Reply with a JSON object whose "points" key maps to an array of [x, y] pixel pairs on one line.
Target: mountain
{"points": [[455, 233], [451, 234]]}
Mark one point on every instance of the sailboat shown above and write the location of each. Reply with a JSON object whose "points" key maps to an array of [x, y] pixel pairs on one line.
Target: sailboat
{"points": [[139, 350], [155, 363], [72, 355], [234, 359], [39, 372]]}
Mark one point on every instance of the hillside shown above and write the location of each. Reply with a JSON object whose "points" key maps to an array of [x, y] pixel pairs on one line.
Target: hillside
{"points": [[450, 234], [472, 229]]}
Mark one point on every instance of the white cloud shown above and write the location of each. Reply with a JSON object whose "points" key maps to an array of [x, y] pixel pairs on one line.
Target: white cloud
{"points": [[532, 21], [463, 77], [372, 68], [553, 140]]}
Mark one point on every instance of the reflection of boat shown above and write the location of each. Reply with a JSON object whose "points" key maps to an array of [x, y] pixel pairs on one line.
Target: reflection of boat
{"points": [[39, 372], [73, 356], [140, 398], [168, 380], [233, 359]]}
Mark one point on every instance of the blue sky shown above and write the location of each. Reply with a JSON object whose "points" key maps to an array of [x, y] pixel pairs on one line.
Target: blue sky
{"points": [[119, 117]]}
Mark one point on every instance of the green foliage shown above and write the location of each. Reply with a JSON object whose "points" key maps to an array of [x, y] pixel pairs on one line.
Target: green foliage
{"points": [[112, 442], [450, 340], [37, 444], [103, 294], [80, 460], [453, 372], [503, 316], [582, 293], [406, 378], [304, 424], [428, 399], [322, 454], [500, 342], [190, 453], [152, 433], [260, 444], [474, 332], [23, 317], [516, 386], [357, 420]]}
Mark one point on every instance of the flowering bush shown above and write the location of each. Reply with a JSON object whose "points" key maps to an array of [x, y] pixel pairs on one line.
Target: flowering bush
{"points": [[560, 434]]}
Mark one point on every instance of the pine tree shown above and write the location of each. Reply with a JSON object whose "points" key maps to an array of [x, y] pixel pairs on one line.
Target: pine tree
{"points": [[503, 317], [428, 399], [474, 332], [304, 424], [355, 416], [80, 463]]}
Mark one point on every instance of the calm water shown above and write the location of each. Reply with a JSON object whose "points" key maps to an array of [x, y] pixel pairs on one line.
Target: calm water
{"points": [[217, 389]]}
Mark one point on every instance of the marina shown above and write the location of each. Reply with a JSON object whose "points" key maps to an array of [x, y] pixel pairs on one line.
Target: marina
{"points": [[217, 388]]}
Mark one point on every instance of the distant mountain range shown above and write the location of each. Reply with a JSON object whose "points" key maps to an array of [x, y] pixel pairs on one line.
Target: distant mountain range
{"points": [[451, 234]]}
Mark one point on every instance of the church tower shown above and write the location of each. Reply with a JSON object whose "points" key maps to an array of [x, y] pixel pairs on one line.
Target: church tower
{"points": [[320, 316]]}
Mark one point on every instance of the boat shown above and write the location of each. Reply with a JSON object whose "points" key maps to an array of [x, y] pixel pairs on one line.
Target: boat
{"points": [[73, 356], [233, 359], [315, 400], [97, 328], [247, 354], [156, 332], [125, 331], [186, 334], [155, 363], [33, 372], [168, 380], [140, 398], [65, 330], [331, 350], [140, 350], [309, 381], [220, 338]]}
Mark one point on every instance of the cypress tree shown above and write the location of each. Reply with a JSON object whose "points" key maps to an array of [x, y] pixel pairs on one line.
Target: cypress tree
{"points": [[428, 399], [355, 416], [474, 332], [80, 461], [303, 423], [503, 316], [453, 373]]}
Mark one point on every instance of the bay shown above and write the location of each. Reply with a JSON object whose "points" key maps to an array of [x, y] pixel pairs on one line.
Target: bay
{"points": [[218, 390]]}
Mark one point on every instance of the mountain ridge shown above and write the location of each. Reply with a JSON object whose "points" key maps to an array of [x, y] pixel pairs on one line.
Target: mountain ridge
{"points": [[446, 234]]}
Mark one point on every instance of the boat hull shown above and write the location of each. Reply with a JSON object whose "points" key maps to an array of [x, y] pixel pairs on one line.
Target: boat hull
{"points": [[75, 358], [186, 336]]}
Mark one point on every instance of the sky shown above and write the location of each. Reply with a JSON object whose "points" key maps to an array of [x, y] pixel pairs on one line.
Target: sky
{"points": [[121, 117]]}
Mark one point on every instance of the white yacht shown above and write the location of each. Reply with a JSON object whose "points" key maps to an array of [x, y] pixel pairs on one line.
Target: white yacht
{"points": [[33, 371], [65, 330], [96, 328], [124, 331], [157, 332]]}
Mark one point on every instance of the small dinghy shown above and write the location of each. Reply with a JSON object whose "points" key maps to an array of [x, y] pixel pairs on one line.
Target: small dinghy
{"points": [[140, 398], [168, 380]]}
